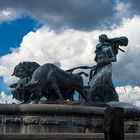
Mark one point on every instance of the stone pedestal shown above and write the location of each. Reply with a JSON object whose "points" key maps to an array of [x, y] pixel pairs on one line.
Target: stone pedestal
{"points": [[59, 122], [50, 118]]}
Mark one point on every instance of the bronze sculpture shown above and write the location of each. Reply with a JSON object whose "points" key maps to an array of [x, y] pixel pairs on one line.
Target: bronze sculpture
{"points": [[56, 84], [23, 71], [100, 81], [23, 90]]}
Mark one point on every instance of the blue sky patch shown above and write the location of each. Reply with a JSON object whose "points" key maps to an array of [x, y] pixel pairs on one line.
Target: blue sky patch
{"points": [[4, 87], [11, 33]]}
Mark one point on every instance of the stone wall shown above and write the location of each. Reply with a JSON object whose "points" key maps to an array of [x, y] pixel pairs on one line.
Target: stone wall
{"points": [[50, 118], [59, 122]]}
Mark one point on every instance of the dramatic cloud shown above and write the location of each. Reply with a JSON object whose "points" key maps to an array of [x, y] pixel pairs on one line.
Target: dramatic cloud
{"points": [[129, 94], [127, 67], [9, 15], [74, 14], [74, 48], [133, 6], [68, 49], [7, 99]]}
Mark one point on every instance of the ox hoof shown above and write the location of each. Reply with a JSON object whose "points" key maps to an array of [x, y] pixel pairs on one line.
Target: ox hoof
{"points": [[34, 102]]}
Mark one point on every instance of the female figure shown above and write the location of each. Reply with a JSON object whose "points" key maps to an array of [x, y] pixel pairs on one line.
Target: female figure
{"points": [[100, 80]]}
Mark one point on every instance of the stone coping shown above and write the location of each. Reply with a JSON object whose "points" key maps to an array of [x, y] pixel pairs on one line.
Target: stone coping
{"points": [[40, 109]]}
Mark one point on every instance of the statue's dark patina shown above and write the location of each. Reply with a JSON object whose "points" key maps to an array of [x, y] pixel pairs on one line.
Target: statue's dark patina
{"points": [[54, 83], [23, 71], [58, 84], [100, 79], [49, 76]]}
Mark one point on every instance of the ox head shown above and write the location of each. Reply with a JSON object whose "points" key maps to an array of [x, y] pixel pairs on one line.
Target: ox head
{"points": [[18, 91], [25, 69]]}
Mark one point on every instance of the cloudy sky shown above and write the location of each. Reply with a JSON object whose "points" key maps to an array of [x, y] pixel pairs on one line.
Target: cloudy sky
{"points": [[66, 32]]}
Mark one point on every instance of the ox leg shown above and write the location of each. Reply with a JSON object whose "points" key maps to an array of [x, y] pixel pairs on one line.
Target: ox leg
{"points": [[37, 93], [56, 90], [84, 94]]}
